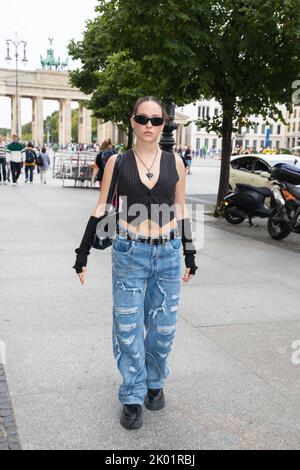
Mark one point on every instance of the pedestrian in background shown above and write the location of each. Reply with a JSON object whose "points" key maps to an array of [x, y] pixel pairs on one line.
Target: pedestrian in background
{"points": [[38, 153], [188, 160], [108, 152], [44, 163], [99, 165], [15, 150], [2, 160], [30, 162], [8, 170]]}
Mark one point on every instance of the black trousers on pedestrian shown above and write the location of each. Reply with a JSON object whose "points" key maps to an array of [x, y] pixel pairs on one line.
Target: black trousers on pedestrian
{"points": [[29, 173], [2, 169], [15, 170]]}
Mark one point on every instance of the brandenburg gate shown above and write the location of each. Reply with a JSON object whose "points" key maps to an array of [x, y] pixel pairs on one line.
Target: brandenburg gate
{"points": [[42, 85]]}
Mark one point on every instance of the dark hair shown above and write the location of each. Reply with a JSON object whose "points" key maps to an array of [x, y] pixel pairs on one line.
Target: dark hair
{"points": [[156, 100], [30, 145], [44, 150], [104, 145]]}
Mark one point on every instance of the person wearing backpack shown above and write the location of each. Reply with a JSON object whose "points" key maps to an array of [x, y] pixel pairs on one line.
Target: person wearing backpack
{"points": [[30, 162]]}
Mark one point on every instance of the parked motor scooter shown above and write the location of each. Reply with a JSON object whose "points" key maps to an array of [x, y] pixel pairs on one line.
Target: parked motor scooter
{"points": [[285, 218], [247, 201]]}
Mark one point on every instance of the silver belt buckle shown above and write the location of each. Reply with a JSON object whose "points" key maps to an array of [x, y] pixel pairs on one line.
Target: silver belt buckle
{"points": [[123, 233]]}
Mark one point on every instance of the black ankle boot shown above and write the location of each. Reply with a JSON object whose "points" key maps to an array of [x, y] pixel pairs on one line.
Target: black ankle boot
{"points": [[132, 417], [155, 399]]}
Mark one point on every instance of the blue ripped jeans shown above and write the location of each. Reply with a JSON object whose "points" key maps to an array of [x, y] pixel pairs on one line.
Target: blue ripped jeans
{"points": [[146, 281]]}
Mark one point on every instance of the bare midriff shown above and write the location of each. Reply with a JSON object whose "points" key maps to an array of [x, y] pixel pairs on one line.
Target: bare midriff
{"points": [[148, 228]]}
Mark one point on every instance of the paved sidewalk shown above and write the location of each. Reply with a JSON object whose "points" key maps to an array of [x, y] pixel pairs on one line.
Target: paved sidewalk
{"points": [[233, 383], [9, 439]]}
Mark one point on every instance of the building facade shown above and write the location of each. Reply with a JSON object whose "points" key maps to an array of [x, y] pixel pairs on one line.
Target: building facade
{"points": [[280, 135]]}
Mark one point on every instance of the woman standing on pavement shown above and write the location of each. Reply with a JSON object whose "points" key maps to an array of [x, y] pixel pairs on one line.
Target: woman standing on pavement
{"points": [[146, 260]]}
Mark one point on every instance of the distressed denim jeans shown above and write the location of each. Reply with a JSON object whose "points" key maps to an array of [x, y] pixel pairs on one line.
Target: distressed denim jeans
{"points": [[146, 281]]}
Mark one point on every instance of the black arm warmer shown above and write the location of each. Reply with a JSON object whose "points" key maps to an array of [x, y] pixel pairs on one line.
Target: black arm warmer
{"points": [[84, 249], [185, 229], [189, 250]]}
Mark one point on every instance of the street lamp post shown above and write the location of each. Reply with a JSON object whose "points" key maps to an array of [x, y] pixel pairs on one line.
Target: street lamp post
{"points": [[48, 129], [167, 141], [16, 43]]}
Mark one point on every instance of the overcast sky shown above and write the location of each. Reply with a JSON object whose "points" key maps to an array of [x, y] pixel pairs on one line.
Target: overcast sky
{"points": [[35, 21]]}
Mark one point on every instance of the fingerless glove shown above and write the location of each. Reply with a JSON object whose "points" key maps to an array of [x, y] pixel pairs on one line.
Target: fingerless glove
{"points": [[189, 250], [190, 263], [84, 249]]}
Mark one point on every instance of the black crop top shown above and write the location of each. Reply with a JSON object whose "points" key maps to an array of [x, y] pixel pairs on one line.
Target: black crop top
{"points": [[137, 201]]}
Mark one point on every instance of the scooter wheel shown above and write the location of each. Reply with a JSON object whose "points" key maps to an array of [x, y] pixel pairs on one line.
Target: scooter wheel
{"points": [[278, 230], [231, 218]]}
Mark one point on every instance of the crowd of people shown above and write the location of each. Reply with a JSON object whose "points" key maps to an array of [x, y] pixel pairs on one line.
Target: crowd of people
{"points": [[107, 149], [14, 156], [203, 152], [240, 150]]}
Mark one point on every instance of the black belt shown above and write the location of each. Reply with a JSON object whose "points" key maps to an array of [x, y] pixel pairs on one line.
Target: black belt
{"points": [[153, 241]]}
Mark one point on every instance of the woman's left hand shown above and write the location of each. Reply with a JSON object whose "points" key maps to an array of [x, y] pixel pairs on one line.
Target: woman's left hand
{"points": [[190, 267], [187, 276]]}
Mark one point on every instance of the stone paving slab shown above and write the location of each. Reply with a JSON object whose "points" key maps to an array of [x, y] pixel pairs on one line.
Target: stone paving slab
{"points": [[9, 438], [266, 349]]}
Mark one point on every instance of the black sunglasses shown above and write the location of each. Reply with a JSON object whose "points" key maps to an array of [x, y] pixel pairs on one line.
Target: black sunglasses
{"points": [[143, 120]]}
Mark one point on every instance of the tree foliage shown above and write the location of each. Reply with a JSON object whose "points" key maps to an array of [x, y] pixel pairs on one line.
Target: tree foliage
{"points": [[244, 53]]}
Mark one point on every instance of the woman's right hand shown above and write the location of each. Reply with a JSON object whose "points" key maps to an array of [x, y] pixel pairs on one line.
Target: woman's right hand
{"points": [[80, 265], [82, 275]]}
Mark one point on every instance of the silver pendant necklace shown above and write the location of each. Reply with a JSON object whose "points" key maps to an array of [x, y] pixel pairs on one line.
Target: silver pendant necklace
{"points": [[148, 174]]}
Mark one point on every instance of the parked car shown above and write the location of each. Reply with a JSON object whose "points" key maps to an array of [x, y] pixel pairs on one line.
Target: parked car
{"points": [[256, 169]]}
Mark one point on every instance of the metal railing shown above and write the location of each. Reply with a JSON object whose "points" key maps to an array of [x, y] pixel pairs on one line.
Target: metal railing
{"points": [[74, 166]]}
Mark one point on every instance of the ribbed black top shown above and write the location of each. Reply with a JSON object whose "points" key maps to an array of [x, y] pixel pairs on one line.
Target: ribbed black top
{"points": [[134, 192]]}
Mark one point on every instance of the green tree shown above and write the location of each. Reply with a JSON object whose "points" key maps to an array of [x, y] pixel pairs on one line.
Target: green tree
{"points": [[252, 61], [118, 86], [114, 73], [53, 122], [75, 121], [27, 132], [4, 131], [244, 53]]}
